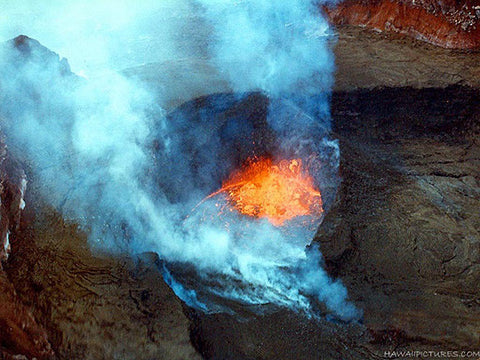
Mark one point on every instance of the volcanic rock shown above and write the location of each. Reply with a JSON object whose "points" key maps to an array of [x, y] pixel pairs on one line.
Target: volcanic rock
{"points": [[94, 307], [30, 50], [447, 23], [20, 334], [404, 234], [367, 60]]}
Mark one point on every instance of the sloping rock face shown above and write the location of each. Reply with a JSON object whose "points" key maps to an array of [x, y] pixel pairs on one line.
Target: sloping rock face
{"points": [[94, 307], [404, 235], [447, 23], [20, 334], [367, 60]]}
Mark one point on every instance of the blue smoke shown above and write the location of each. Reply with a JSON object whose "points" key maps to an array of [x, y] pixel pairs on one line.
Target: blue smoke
{"points": [[90, 142]]}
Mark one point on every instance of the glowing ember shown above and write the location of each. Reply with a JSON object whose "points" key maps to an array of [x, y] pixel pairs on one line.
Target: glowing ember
{"points": [[278, 192]]}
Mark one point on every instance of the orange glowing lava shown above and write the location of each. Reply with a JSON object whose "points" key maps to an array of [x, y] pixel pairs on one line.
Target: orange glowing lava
{"points": [[277, 192]]}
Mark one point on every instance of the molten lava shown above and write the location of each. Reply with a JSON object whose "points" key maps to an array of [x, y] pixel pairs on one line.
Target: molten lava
{"points": [[277, 192]]}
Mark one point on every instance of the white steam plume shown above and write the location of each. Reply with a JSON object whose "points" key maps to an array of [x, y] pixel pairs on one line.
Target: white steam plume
{"points": [[89, 140]]}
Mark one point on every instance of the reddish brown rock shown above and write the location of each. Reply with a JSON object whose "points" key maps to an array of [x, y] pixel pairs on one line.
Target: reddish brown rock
{"points": [[446, 23], [12, 187], [19, 332]]}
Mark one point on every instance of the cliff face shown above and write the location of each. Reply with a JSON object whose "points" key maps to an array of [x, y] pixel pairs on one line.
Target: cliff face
{"points": [[19, 332], [446, 23]]}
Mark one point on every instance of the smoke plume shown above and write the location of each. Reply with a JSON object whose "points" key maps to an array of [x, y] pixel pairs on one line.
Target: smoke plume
{"points": [[108, 156]]}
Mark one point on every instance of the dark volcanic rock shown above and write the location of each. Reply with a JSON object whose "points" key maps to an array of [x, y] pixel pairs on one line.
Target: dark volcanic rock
{"points": [[282, 335], [404, 234], [30, 50], [447, 23]]}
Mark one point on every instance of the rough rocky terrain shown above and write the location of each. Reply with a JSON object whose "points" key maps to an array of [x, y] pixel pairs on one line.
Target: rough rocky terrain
{"points": [[94, 307], [407, 217], [403, 234], [367, 60], [447, 23], [56, 294], [19, 331]]}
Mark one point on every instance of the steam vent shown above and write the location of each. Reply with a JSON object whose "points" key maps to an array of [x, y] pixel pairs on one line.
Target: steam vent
{"points": [[239, 180]]}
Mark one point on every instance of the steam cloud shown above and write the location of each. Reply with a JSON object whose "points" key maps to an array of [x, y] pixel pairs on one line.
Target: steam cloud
{"points": [[89, 141]]}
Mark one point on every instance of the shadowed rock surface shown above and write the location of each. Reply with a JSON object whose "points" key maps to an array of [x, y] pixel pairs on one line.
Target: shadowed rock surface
{"points": [[407, 218]]}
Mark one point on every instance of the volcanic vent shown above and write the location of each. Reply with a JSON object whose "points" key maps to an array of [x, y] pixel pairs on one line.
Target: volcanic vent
{"points": [[276, 191], [130, 173], [251, 201]]}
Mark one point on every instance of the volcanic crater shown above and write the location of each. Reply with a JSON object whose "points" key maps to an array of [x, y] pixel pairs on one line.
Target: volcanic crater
{"points": [[401, 232]]}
